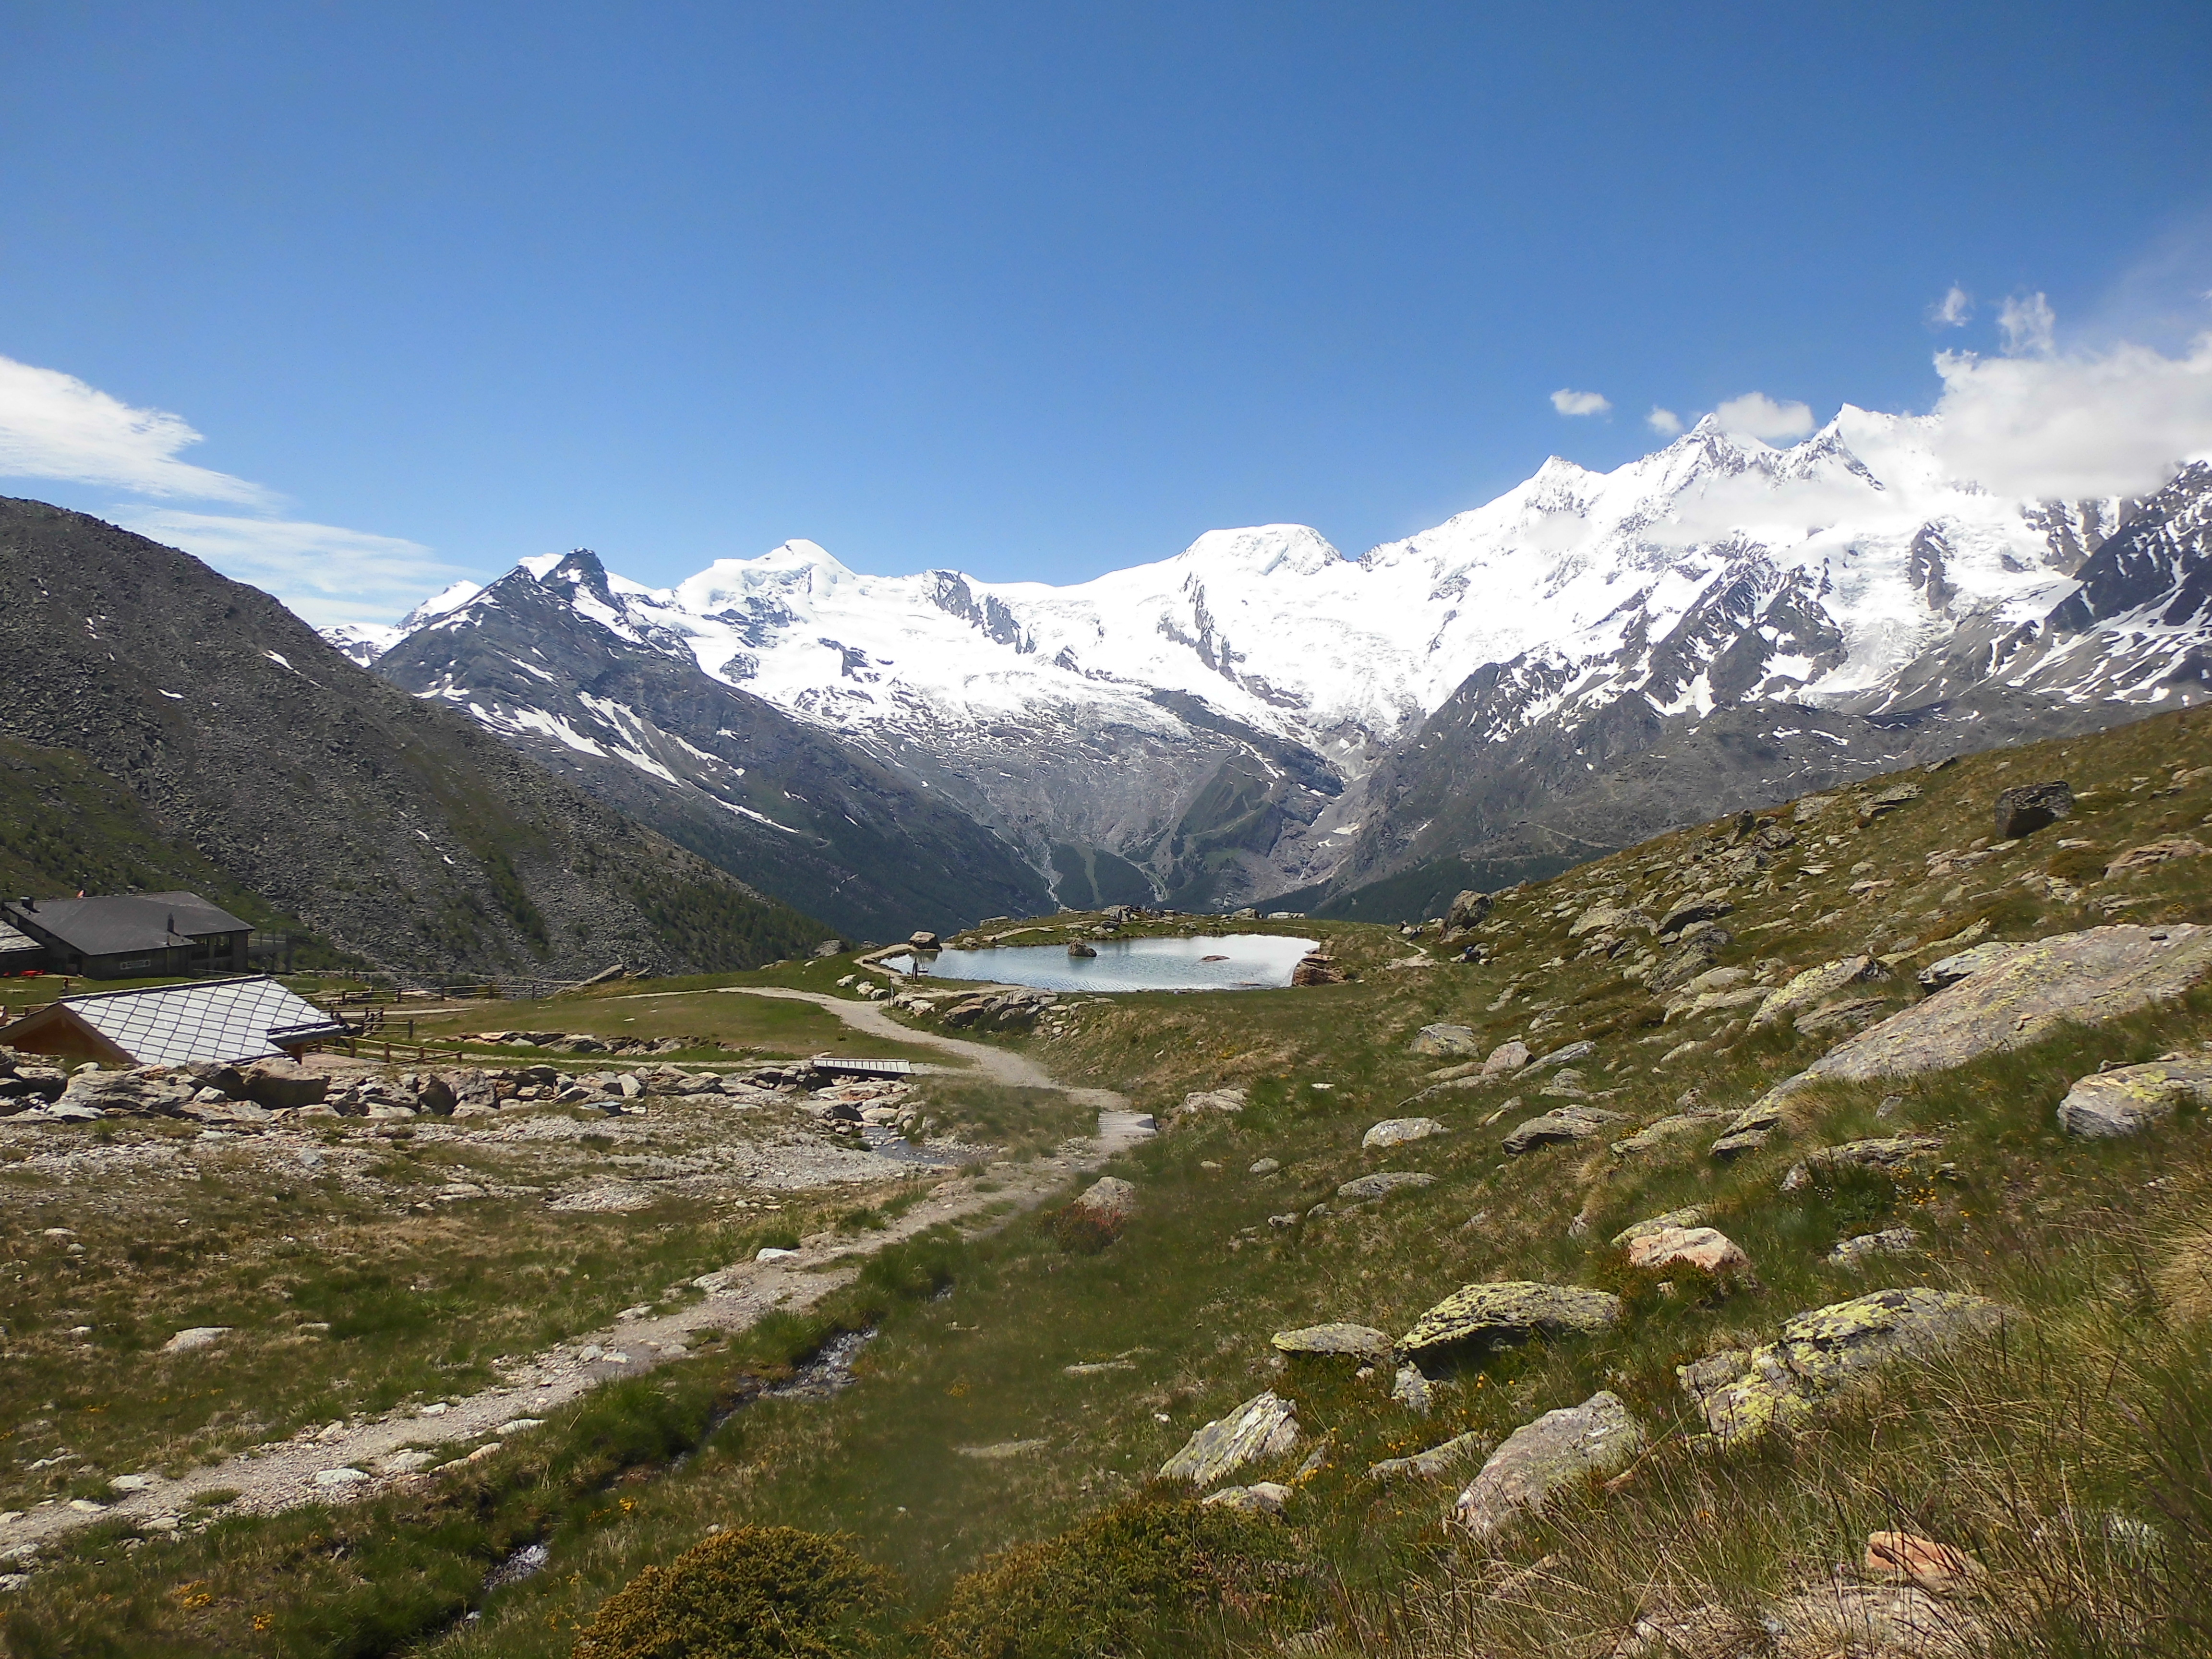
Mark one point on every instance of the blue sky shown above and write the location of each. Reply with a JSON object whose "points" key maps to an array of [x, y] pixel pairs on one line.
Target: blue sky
{"points": [[1030, 291]]}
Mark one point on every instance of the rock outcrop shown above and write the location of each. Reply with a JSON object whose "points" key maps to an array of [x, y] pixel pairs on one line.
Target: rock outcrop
{"points": [[2130, 1099], [1540, 1459], [1264, 1426], [1505, 1311]]}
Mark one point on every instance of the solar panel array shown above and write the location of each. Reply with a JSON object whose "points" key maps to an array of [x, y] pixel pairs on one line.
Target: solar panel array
{"points": [[224, 1019]]}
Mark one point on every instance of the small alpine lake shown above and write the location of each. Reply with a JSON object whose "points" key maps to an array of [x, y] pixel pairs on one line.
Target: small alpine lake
{"points": [[1235, 962]]}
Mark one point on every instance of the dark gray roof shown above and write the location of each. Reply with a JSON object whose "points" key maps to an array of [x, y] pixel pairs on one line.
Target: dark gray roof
{"points": [[220, 1019], [118, 922], [12, 941]]}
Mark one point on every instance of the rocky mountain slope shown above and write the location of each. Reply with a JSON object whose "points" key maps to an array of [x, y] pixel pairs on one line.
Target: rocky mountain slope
{"points": [[389, 825], [545, 660], [1582, 661]]}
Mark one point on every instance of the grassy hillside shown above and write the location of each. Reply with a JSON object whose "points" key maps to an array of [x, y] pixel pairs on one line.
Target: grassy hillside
{"points": [[998, 1452]]}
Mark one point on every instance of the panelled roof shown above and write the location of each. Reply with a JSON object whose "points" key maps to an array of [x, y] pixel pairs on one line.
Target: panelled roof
{"points": [[215, 1020]]}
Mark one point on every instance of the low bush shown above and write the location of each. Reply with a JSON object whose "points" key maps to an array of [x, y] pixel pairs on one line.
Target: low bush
{"points": [[1139, 1578], [749, 1593], [1080, 1230]]}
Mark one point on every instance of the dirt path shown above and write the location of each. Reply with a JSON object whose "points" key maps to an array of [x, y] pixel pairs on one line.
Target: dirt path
{"points": [[348, 1461]]}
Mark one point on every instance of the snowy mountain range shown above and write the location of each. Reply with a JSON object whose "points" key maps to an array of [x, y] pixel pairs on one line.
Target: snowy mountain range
{"points": [[1570, 667]]}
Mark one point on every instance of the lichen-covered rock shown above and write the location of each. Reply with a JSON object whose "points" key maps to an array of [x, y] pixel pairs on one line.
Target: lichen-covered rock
{"points": [[1453, 1040], [1947, 971], [1506, 1311], [1397, 1131], [2154, 853], [1816, 985], [1866, 1247], [1430, 1464], [1565, 1055], [1382, 1183], [1566, 1083], [1260, 1497], [1553, 1128], [1539, 1459], [1891, 1154], [2130, 1099], [1264, 1425], [1693, 953], [1359, 1341], [1822, 1352], [1690, 1215], [1212, 1100], [1704, 1248], [1662, 1130]]}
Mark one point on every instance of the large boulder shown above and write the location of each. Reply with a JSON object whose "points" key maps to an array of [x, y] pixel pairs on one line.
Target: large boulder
{"points": [[1108, 1199], [1360, 1341], [1696, 952], [1507, 1311], [1568, 1123], [2130, 1099], [149, 1091], [1704, 1248], [1452, 1039], [2029, 807], [1822, 1352], [284, 1084], [1815, 986], [1466, 910], [1946, 971], [1263, 1426], [1560, 1450]]}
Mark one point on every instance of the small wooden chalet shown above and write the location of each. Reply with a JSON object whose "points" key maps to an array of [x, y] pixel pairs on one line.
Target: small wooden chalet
{"points": [[218, 1021], [131, 935]]}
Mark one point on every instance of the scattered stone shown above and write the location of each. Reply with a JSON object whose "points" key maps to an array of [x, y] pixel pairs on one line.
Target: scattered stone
{"points": [[1693, 953], [1263, 1426], [2031, 806], [1411, 1390], [2154, 853], [1358, 1341], [1891, 1154], [1702, 1248], [1397, 1131], [1443, 1039], [1696, 911], [284, 1084], [1611, 917], [1506, 1058], [2130, 1099], [329, 1478], [1883, 1622], [197, 1336], [773, 1253], [1108, 1199], [1936, 1568], [1567, 1123], [1886, 801], [1382, 1183], [1857, 1252], [1506, 1311], [1566, 1083], [1811, 807], [1260, 1497], [1430, 1464], [1098, 1367], [1212, 1100], [1265, 1166], [1821, 1352], [1664, 1130], [1558, 1450]]}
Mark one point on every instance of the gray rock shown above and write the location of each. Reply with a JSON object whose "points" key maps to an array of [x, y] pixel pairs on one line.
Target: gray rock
{"points": [[1430, 1464], [1397, 1131], [284, 1084], [1540, 1459], [1263, 1426], [1692, 1215], [1412, 1391], [1568, 1123], [1505, 1058], [1662, 1130], [1947, 971], [1467, 909], [2130, 1099], [1260, 1497], [1507, 1311], [1265, 1166], [1826, 1350], [1382, 1183], [1693, 954], [1358, 1341], [2032, 806], [1453, 1040], [1815, 985], [195, 1337], [1566, 1082]]}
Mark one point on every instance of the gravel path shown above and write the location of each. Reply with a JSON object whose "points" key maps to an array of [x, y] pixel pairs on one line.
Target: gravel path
{"points": [[348, 1461]]}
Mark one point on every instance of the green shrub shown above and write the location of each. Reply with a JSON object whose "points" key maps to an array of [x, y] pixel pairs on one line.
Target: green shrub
{"points": [[1137, 1578], [912, 1269], [750, 1593]]}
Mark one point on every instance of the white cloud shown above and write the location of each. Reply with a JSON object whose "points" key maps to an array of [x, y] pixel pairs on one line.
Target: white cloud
{"points": [[2116, 423], [1758, 415], [1664, 422], [1954, 310], [2029, 327], [1581, 403], [324, 574], [54, 426]]}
